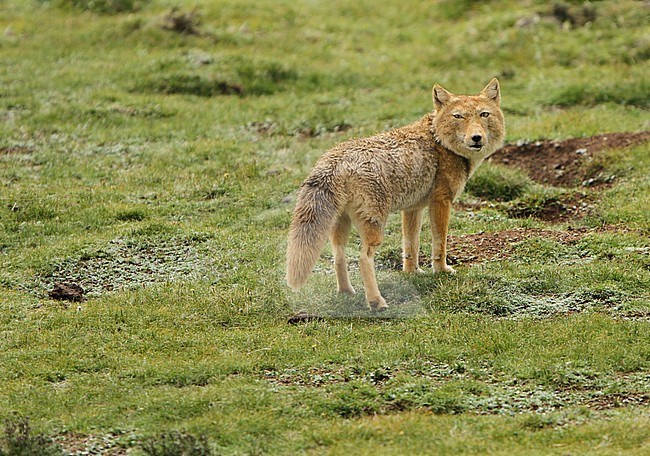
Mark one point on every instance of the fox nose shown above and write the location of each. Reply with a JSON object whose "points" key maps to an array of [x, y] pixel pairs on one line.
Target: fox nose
{"points": [[477, 138]]}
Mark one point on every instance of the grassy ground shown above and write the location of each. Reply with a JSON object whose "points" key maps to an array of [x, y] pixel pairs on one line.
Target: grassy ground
{"points": [[152, 155]]}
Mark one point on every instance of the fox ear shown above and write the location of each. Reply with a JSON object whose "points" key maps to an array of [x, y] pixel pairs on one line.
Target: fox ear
{"points": [[440, 96], [492, 91]]}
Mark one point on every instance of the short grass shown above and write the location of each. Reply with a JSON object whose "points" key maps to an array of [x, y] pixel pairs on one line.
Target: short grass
{"points": [[157, 167]]}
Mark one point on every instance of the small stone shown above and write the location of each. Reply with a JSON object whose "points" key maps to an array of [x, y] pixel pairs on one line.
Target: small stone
{"points": [[525, 22]]}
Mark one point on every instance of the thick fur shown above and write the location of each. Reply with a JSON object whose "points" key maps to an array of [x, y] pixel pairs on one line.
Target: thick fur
{"points": [[422, 165]]}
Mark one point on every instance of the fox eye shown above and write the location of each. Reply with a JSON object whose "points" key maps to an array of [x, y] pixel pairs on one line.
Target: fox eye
{"points": [[484, 114], [457, 116]]}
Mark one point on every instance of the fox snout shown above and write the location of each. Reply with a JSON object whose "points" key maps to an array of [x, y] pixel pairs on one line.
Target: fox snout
{"points": [[475, 140]]}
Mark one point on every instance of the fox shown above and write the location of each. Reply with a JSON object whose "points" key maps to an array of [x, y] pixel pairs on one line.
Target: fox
{"points": [[423, 165]]}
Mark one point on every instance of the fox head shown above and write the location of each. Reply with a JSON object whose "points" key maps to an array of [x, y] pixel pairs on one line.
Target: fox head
{"points": [[471, 126]]}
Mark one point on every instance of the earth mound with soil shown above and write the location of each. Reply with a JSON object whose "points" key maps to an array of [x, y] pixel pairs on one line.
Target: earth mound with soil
{"points": [[499, 245], [549, 162], [560, 163], [67, 291]]}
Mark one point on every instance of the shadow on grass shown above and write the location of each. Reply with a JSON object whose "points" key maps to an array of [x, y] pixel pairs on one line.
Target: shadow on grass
{"points": [[319, 300]]}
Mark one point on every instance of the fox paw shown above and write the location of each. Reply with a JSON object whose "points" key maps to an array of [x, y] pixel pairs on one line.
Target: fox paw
{"points": [[445, 268], [413, 271], [347, 290], [378, 305]]}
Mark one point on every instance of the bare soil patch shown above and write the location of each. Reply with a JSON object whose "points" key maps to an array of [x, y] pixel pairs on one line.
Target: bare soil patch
{"points": [[499, 245], [124, 264], [616, 400], [81, 445], [482, 246], [561, 163], [67, 292]]}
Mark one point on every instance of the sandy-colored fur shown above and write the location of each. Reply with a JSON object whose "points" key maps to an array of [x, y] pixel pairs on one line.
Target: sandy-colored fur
{"points": [[359, 182]]}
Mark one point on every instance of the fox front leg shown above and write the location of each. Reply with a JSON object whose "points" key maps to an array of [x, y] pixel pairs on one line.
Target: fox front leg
{"points": [[439, 212]]}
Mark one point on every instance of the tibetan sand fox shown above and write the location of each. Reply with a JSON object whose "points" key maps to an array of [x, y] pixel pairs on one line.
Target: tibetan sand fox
{"points": [[422, 165]]}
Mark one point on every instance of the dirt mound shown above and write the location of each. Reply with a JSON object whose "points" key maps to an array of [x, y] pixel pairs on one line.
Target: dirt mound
{"points": [[561, 163], [67, 292]]}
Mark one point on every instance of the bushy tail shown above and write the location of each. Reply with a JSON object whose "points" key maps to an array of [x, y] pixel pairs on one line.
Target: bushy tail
{"points": [[313, 219]]}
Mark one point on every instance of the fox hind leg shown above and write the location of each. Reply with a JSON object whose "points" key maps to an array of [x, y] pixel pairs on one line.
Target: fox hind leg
{"points": [[372, 235], [340, 237]]}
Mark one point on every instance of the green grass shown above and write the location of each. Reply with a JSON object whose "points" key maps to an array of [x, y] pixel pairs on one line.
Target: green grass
{"points": [[158, 170], [633, 93], [498, 183]]}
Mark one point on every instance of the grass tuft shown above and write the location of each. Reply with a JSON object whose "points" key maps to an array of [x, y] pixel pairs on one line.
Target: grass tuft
{"points": [[131, 215], [102, 6], [189, 84], [353, 399], [18, 439], [454, 10], [498, 183], [184, 22], [634, 93], [423, 394], [239, 77], [535, 203]]}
